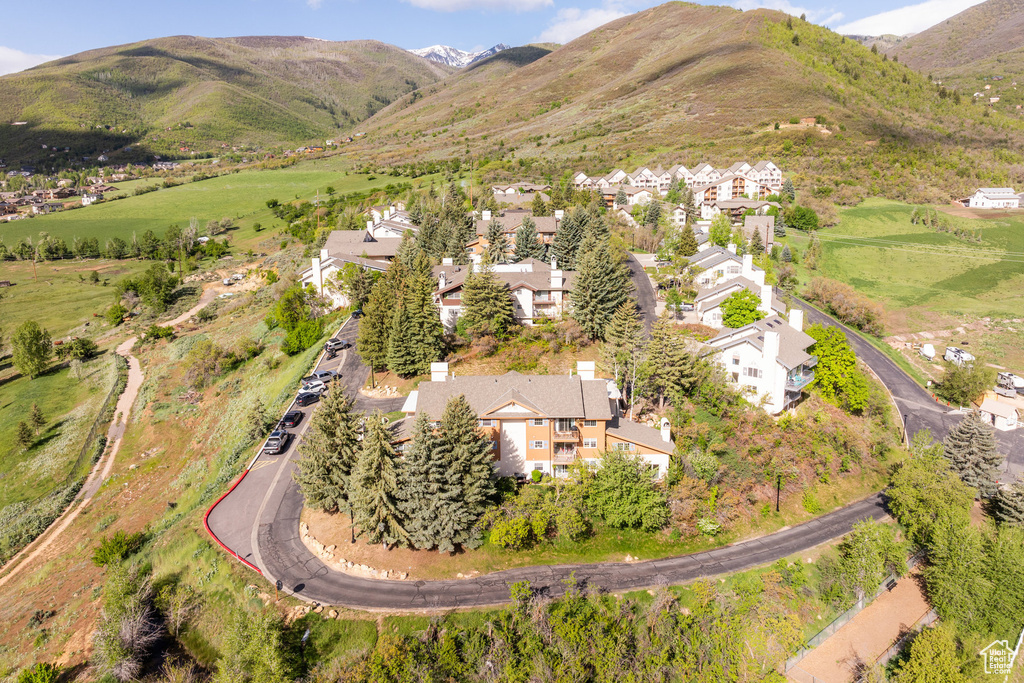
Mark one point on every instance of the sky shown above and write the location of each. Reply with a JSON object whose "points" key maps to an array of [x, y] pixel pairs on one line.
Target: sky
{"points": [[466, 24]]}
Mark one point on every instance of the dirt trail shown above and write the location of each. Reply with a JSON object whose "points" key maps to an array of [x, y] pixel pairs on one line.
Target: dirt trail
{"points": [[103, 467]]}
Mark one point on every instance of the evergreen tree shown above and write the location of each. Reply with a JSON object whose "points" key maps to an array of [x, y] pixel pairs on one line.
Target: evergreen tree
{"points": [[787, 255], [687, 245], [329, 452], [653, 215], [497, 243], [570, 234], [376, 485], [256, 421], [756, 243], [423, 485], [675, 367], [780, 222], [690, 206], [378, 316], [487, 305], [788, 190], [600, 287], [36, 417], [416, 331], [528, 244], [1004, 569], [971, 448], [539, 206], [620, 198], [469, 460], [955, 575], [624, 349], [24, 435], [1008, 504]]}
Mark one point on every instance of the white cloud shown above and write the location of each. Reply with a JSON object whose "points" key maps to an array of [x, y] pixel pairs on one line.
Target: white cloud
{"points": [[12, 60], [573, 22], [497, 5], [314, 4], [909, 19]]}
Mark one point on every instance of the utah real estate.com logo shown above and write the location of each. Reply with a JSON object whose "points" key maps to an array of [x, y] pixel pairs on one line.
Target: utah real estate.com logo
{"points": [[999, 658]]}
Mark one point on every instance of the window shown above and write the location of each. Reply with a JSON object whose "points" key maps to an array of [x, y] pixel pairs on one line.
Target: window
{"points": [[494, 445], [538, 445], [623, 446], [590, 423], [734, 270], [752, 372], [564, 424], [539, 422], [561, 470], [590, 443], [735, 361], [486, 423], [453, 295]]}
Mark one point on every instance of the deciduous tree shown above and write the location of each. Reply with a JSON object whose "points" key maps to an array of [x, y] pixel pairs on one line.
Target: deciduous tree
{"points": [[623, 493], [31, 348], [836, 373], [741, 308], [720, 231]]}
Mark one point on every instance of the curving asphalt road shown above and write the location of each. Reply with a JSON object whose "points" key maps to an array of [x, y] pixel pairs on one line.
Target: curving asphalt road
{"points": [[644, 292], [259, 519]]}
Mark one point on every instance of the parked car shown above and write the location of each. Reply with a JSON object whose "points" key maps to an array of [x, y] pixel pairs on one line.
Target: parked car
{"points": [[237, 277], [307, 379], [304, 399], [292, 418], [315, 386], [277, 442], [337, 344], [326, 375], [357, 313]]}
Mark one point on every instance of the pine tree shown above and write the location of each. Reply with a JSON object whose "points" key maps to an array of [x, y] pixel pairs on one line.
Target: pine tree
{"points": [[624, 349], [497, 243], [689, 205], [600, 287], [469, 461], [1009, 504], [687, 245], [24, 435], [787, 255], [539, 206], [528, 244], [675, 367], [788, 190], [416, 332], [567, 239], [487, 304], [620, 198], [329, 452], [780, 222], [376, 485], [653, 214], [419, 484], [756, 243], [378, 316], [36, 417], [971, 449], [256, 422]]}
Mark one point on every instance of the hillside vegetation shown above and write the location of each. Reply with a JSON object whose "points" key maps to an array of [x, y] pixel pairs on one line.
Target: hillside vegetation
{"points": [[199, 93], [681, 83]]}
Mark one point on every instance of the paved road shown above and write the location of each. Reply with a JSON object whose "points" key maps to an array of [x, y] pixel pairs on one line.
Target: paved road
{"points": [[644, 292], [918, 409]]}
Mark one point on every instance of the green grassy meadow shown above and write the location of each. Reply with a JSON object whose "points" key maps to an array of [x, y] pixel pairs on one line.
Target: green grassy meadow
{"points": [[240, 196], [915, 271]]}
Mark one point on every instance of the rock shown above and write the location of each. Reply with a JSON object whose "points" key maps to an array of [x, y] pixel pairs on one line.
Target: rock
{"points": [[132, 467], [403, 576], [304, 528], [349, 565], [318, 609], [384, 574], [331, 548], [333, 614], [459, 576]]}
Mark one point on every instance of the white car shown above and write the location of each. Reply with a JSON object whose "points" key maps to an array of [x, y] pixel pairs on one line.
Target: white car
{"points": [[316, 386]]}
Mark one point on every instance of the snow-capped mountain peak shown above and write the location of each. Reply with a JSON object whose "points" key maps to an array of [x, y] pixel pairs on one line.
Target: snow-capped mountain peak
{"points": [[444, 54]]}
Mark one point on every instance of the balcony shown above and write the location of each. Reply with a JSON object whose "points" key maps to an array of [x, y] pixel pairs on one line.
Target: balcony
{"points": [[811, 363], [796, 382], [566, 435], [564, 456]]}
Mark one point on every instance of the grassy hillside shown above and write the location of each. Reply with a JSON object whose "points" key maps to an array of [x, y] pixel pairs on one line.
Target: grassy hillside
{"points": [[193, 92], [683, 83]]}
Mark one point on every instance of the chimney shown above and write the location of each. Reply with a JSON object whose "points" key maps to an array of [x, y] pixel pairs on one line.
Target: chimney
{"points": [[731, 248], [666, 430], [486, 215], [766, 300], [387, 214], [748, 266], [585, 369], [796, 320], [369, 225], [438, 372], [758, 277], [442, 280], [318, 276], [447, 261], [559, 214], [323, 255], [556, 278], [770, 351]]}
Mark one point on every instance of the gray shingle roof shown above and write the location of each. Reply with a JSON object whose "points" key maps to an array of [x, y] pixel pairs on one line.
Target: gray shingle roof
{"points": [[359, 242], [637, 433], [538, 395], [793, 344]]}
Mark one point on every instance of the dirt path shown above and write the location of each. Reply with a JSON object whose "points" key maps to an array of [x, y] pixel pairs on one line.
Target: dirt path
{"points": [[103, 467], [868, 635]]}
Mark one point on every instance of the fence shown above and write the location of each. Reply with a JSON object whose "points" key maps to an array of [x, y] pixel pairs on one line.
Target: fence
{"points": [[895, 648], [844, 618], [96, 430]]}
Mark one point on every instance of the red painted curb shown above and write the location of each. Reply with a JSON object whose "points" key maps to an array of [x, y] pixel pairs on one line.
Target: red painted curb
{"points": [[206, 523]]}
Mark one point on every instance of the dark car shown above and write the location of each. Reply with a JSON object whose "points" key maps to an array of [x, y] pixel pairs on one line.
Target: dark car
{"points": [[337, 344], [277, 442], [357, 313], [291, 419], [304, 399]]}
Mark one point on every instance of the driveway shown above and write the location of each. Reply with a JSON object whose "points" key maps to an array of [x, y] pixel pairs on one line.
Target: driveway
{"points": [[644, 292]]}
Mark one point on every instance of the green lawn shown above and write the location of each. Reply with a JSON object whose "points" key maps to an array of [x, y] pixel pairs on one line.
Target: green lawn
{"points": [[69, 407], [908, 267], [240, 196], [57, 298]]}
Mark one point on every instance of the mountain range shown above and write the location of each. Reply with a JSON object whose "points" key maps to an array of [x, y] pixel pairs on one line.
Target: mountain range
{"points": [[454, 57]]}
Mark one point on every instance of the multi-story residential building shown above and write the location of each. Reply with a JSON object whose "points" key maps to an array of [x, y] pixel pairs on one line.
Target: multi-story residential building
{"points": [[768, 360], [538, 290], [542, 422], [510, 221], [718, 265], [708, 304], [729, 186], [767, 173]]}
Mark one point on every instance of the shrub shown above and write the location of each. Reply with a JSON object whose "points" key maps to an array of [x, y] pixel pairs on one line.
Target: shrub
{"points": [[78, 348], [705, 465], [43, 672], [117, 547], [303, 336], [156, 332], [962, 384], [536, 476], [846, 304], [708, 527], [512, 534], [810, 502]]}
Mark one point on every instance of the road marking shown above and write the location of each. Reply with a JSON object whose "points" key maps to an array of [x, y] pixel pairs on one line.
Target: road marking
{"points": [[260, 464]]}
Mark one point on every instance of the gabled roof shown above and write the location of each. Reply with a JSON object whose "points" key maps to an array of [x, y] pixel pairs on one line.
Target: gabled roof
{"points": [[793, 343], [627, 430], [545, 395], [359, 242], [533, 275], [726, 287]]}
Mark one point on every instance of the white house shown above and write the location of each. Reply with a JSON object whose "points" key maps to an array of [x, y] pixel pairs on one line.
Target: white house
{"points": [[643, 177], [708, 304], [539, 290], [768, 359], [994, 198], [88, 199], [718, 265], [767, 173], [1001, 415]]}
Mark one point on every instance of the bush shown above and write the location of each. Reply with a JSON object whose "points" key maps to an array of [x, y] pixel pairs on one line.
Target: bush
{"points": [[962, 384], [708, 527], [512, 534], [156, 332], [78, 348], [846, 304], [623, 494], [117, 547], [303, 336], [43, 672], [536, 476], [810, 502]]}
